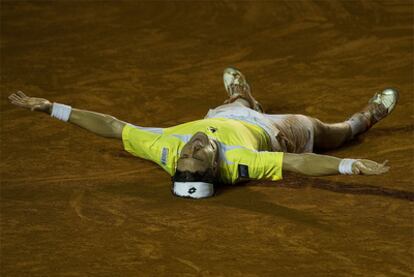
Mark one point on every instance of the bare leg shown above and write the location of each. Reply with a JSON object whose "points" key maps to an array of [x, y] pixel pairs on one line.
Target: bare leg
{"points": [[243, 102], [303, 133], [329, 136]]}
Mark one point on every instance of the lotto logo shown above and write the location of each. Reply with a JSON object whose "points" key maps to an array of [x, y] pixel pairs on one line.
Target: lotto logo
{"points": [[212, 129], [164, 156]]}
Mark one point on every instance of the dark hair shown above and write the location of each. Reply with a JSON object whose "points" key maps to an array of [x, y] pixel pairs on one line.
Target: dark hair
{"points": [[207, 176]]}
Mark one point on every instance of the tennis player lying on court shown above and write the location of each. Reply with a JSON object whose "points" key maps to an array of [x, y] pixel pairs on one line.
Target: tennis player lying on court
{"points": [[235, 142]]}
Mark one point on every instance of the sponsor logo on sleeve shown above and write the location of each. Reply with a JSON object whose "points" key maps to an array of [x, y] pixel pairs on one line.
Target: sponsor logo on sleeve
{"points": [[164, 156], [243, 172], [212, 129]]}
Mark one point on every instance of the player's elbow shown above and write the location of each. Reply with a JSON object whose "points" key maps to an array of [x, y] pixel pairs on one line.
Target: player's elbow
{"points": [[299, 163], [115, 127], [293, 162]]}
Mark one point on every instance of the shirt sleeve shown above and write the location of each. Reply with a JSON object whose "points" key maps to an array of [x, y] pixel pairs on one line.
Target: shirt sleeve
{"points": [[247, 164], [268, 166], [154, 146]]}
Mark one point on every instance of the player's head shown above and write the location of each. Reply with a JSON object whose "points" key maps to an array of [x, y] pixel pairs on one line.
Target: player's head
{"points": [[197, 168]]}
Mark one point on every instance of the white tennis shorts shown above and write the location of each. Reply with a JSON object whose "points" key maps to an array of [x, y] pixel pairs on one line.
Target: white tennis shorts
{"points": [[288, 133]]}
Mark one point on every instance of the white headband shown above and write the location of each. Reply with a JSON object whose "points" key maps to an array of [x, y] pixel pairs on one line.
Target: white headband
{"points": [[193, 189]]}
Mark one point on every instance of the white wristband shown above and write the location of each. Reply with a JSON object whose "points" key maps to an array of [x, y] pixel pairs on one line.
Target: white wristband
{"points": [[61, 111], [345, 166]]}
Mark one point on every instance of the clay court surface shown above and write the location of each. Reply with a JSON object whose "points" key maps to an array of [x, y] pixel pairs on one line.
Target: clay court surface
{"points": [[74, 204]]}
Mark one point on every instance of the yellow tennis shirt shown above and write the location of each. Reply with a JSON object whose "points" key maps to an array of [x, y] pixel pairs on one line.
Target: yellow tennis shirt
{"points": [[244, 148]]}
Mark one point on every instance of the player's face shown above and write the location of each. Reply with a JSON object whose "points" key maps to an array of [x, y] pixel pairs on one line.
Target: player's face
{"points": [[199, 154]]}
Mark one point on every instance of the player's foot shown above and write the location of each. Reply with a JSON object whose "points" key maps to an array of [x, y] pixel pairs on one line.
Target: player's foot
{"points": [[237, 87], [379, 106]]}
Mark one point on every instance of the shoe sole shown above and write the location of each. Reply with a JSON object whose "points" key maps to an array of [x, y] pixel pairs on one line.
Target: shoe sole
{"points": [[229, 77]]}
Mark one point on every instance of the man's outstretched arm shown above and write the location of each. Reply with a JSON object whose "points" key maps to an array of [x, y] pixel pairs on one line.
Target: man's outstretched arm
{"points": [[320, 165], [100, 124]]}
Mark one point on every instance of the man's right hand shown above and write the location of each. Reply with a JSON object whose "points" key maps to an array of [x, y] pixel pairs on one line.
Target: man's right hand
{"points": [[34, 104]]}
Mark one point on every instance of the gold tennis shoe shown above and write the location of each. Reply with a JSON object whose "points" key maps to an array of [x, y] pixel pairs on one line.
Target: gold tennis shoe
{"points": [[237, 87]]}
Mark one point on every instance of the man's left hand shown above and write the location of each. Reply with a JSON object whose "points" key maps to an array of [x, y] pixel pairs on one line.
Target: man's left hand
{"points": [[368, 167]]}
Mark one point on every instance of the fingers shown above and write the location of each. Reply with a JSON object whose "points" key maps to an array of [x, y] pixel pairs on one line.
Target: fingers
{"points": [[19, 99], [18, 96], [18, 103], [21, 94], [12, 98], [382, 168], [385, 169], [367, 167], [15, 97]]}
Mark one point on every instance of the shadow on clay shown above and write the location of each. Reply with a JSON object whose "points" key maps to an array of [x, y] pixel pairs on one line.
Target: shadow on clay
{"points": [[346, 187], [250, 201], [255, 202]]}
